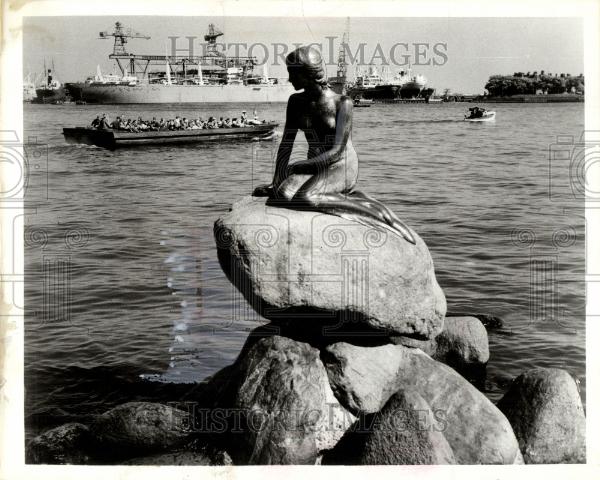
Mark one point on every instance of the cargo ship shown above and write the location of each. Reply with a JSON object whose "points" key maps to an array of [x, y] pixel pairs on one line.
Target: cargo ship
{"points": [[210, 78], [404, 85]]}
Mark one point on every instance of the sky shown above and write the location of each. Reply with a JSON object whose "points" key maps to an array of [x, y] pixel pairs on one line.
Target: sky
{"points": [[468, 50]]}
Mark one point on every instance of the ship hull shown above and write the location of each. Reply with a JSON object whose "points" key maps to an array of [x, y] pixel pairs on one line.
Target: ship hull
{"points": [[380, 92], [48, 95], [115, 94], [411, 90]]}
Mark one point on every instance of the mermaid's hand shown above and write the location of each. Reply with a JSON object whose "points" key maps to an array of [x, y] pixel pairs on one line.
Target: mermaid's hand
{"points": [[264, 191]]}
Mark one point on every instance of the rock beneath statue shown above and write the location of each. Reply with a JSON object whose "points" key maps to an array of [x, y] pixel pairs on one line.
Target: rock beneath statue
{"points": [[282, 409], [299, 265], [545, 410], [366, 388], [364, 378], [66, 444], [462, 344], [404, 432], [489, 321], [136, 428]]}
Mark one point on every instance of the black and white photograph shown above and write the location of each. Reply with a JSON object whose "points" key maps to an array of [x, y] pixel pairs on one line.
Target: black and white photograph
{"points": [[319, 235]]}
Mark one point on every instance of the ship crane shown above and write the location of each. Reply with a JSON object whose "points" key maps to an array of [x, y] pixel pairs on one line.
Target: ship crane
{"points": [[211, 40], [342, 66], [214, 62], [121, 34]]}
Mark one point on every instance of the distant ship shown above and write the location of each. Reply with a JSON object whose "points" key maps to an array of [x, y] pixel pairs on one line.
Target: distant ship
{"points": [[404, 85], [52, 91], [412, 85], [213, 77]]}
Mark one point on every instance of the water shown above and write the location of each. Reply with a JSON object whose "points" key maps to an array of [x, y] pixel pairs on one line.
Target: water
{"points": [[125, 239]]}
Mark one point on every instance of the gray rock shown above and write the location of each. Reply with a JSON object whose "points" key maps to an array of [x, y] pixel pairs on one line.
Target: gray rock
{"points": [[545, 410], [307, 265], [364, 378], [405, 432], [66, 444], [140, 427], [427, 346], [284, 411], [463, 343], [182, 458]]}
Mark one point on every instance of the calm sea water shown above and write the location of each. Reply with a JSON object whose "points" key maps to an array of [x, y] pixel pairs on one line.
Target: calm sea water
{"points": [[123, 284]]}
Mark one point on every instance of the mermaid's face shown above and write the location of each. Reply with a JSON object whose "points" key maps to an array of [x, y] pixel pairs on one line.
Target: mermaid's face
{"points": [[298, 77]]}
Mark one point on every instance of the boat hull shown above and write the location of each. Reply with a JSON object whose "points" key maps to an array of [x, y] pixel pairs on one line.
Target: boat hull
{"points": [[112, 139], [116, 94], [490, 116], [379, 92], [50, 95], [411, 89]]}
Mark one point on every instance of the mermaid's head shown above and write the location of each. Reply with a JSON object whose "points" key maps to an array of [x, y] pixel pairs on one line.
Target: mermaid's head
{"points": [[305, 67]]}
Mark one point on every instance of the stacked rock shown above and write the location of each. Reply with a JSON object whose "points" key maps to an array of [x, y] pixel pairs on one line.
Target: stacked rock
{"points": [[349, 370], [358, 365]]}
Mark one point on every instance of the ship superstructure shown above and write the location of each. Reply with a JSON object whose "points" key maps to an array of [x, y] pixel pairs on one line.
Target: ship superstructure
{"points": [[210, 77]]}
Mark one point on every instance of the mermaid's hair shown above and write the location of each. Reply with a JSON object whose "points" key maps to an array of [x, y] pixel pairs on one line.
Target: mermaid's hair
{"points": [[310, 60]]}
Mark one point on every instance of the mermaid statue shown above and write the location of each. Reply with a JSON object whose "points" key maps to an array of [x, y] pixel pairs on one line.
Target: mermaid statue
{"points": [[326, 180]]}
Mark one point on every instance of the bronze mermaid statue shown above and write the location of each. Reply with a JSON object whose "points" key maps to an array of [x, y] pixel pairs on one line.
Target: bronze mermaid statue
{"points": [[326, 180]]}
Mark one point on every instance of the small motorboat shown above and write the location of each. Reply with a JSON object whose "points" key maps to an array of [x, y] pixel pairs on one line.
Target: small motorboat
{"points": [[480, 115], [363, 102]]}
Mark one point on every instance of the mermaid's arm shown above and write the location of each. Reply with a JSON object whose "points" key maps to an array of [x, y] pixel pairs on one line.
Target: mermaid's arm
{"points": [[287, 143], [283, 153], [343, 128]]}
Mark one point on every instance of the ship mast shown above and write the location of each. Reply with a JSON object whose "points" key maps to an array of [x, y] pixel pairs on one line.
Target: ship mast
{"points": [[342, 66]]}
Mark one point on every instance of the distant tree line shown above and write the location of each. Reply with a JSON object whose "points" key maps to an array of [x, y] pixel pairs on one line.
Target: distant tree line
{"points": [[521, 83]]}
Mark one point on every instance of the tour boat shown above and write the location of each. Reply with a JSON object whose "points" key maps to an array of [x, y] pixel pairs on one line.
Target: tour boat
{"points": [[112, 139]]}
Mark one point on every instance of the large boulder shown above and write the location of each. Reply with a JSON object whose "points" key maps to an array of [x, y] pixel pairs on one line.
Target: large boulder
{"points": [[364, 378], [136, 428], [306, 265], [66, 444], [545, 410], [280, 405], [405, 432]]}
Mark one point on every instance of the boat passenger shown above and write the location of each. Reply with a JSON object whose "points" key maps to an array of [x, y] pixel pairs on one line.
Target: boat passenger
{"points": [[243, 118], [212, 123], [235, 123], [96, 121], [104, 122], [116, 124], [177, 123]]}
